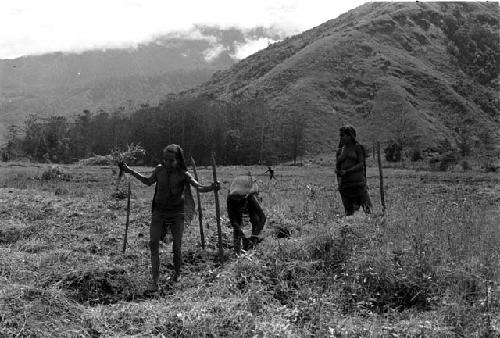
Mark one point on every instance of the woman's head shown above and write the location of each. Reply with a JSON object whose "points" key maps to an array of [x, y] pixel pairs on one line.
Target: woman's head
{"points": [[173, 157], [347, 134]]}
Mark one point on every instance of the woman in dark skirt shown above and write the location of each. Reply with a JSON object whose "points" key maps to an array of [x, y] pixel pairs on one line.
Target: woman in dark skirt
{"points": [[351, 172]]}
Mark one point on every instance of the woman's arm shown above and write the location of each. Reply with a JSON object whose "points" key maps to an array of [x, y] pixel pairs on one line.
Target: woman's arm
{"points": [[355, 168], [359, 166], [339, 149], [200, 187], [146, 180]]}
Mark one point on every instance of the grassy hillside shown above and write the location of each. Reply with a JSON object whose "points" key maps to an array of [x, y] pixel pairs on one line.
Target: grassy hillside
{"points": [[428, 268], [382, 66]]}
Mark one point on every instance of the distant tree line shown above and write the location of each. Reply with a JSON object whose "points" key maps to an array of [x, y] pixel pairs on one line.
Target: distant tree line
{"points": [[243, 133]]}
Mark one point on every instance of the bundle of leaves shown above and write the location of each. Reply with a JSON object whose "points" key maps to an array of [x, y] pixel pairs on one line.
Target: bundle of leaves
{"points": [[131, 154]]}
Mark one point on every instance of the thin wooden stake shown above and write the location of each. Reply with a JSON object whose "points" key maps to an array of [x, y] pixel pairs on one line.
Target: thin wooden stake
{"points": [[200, 214], [128, 219], [217, 210], [381, 178], [120, 174]]}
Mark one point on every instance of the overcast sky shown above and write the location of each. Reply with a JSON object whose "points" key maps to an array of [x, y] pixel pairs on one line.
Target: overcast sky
{"points": [[39, 26]]}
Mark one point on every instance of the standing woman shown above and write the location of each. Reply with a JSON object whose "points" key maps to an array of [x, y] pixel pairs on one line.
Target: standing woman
{"points": [[172, 192], [351, 172]]}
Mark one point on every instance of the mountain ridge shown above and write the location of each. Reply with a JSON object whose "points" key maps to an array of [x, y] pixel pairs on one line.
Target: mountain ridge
{"points": [[362, 66], [66, 83]]}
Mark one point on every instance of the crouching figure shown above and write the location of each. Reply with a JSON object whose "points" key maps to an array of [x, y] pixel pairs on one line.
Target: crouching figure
{"points": [[243, 198]]}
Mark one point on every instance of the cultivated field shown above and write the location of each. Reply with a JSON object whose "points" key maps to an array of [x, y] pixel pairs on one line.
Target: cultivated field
{"points": [[429, 267]]}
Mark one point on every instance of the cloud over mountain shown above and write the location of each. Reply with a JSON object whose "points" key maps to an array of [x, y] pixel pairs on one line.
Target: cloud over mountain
{"points": [[37, 27]]}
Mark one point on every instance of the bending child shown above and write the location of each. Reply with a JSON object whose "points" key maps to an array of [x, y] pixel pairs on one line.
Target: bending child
{"points": [[172, 192], [243, 199]]}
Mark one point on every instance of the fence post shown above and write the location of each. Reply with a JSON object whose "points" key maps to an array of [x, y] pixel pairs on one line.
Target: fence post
{"points": [[381, 178]]}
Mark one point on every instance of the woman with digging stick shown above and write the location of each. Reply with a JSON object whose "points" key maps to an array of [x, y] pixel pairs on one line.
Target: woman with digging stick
{"points": [[351, 172], [172, 193]]}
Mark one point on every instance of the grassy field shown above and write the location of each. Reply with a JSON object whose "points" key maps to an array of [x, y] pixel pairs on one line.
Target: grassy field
{"points": [[428, 268]]}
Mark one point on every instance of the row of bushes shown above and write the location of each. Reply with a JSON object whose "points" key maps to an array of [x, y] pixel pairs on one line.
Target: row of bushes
{"points": [[442, 159]]}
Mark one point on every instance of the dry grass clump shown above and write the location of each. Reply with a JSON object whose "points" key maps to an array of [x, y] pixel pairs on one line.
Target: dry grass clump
{"points": [[216, 317], [11, 235], [55, 173], [18, 178], [98, 160], [12, 231]]}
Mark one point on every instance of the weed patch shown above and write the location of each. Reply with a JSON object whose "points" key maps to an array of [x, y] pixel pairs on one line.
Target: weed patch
{"points": [[33, 312], [12, 232], [55, 173]]}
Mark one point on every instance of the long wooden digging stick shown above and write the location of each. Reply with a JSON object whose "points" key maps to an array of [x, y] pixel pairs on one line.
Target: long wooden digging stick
{"points": [[217, 210], [381, 178], [128, 219], [120, 174], [200, 214]]}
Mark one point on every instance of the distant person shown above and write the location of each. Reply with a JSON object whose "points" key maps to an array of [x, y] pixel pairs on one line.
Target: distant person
{"points": [[243, 199], [351, 172], [271, 173], [172, 202]]}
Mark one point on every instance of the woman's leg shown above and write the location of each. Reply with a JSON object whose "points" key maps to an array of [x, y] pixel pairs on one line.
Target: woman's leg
{"points": [[177, 228], [348, 205]]}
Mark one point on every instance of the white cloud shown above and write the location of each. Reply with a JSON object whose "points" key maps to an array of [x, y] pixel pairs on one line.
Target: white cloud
{"points": [[34, 26], [193, 33], [249, 47], [213, 52]]}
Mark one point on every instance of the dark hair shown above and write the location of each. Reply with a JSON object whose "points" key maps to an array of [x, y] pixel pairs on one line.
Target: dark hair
{"points": [[348, 130], [179, 154]]}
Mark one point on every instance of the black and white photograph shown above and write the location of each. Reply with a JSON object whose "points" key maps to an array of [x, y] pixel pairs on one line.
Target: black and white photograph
{"points": [[266, 168]]}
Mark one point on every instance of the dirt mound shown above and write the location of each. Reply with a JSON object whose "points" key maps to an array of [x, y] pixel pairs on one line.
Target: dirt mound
{"points": [[98, 286]]}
